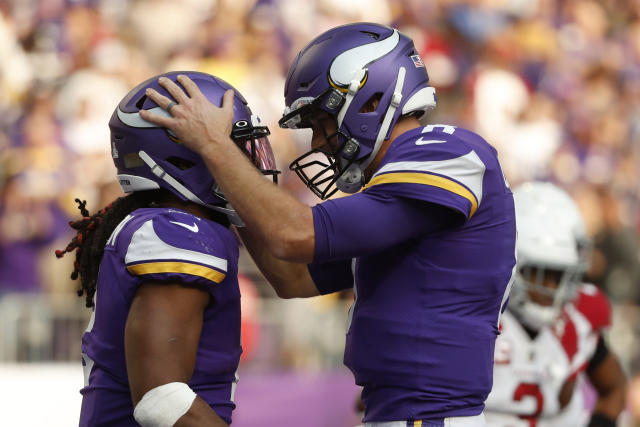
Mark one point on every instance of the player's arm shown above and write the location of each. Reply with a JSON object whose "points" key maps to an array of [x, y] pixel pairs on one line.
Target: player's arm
{"points": [[372, 221], [161, 341], [288, 279], [298, 280], [607, 377]]}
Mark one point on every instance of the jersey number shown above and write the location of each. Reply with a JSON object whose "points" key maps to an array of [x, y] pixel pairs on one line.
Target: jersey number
{"points": [[444, 128], [530, 389]]}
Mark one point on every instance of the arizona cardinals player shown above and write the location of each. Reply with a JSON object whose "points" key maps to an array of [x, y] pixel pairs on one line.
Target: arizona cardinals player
{"points": [[552, 333]]}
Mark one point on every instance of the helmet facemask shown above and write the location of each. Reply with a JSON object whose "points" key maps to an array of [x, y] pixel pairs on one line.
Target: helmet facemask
{"points": [[535, 302], [332, 166]]}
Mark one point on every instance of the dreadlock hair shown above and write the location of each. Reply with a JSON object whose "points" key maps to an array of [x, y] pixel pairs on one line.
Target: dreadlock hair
{"points": [[93, 232]]}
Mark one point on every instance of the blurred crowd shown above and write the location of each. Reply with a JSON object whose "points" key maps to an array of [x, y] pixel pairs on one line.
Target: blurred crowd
{"points": [[554, 85]]}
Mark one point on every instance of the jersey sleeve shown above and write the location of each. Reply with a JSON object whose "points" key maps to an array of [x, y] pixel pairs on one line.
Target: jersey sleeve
{"points": [[594, 305], [433, 167], [368, 222], [332, 276], [177, 248]]}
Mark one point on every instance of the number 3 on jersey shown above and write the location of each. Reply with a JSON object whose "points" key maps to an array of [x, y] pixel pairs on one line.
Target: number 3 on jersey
{"points": [[532, 390]]}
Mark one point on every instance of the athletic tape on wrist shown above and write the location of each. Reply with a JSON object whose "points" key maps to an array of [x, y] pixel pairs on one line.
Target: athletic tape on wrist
{"points": [[164, 405]]}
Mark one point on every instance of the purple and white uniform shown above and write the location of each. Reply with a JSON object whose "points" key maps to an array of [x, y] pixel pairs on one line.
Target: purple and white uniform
{"points": [[170, 245], [432, 237]]}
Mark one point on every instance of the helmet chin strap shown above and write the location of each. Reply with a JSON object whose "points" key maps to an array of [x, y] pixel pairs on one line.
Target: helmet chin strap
{"points": [[351, 179], [396, 98], [186, 193], [354, 86]]}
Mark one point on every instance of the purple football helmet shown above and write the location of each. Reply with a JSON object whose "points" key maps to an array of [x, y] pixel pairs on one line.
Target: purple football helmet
{"points": [[340, 72], [148, 156]]}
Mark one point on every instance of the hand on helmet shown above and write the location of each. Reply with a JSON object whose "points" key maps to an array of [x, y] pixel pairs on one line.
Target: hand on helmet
{"points": [[197, 123]]}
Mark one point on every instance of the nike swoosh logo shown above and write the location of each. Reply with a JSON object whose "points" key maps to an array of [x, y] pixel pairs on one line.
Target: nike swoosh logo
{"points": [[429, 141], [193, 227]]}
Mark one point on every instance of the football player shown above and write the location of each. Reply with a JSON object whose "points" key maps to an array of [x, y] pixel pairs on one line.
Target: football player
{"points": [[160, 269], [552, 331], [426, 234]]}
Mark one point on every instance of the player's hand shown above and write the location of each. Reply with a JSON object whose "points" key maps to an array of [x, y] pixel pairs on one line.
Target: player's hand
{"points": [[198, 123]]}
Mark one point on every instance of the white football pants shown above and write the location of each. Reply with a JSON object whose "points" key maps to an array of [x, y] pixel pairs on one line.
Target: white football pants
{"points": [[474, 421]]}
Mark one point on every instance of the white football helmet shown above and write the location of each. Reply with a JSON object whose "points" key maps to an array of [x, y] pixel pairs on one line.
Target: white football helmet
{"points": [[551, 237]]}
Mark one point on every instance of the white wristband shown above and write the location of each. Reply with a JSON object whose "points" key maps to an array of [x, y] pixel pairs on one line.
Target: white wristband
{"points": [[164, 405]]}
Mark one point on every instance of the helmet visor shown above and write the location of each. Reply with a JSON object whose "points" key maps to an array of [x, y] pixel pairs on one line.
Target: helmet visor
{"points": [[299, 114], [260, 153], [254, 142]]}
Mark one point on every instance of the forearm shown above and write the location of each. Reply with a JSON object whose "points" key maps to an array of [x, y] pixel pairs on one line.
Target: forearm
{"points": [[611, 385], [278, 219], [288, 279], [200, 414], [612, 403]]}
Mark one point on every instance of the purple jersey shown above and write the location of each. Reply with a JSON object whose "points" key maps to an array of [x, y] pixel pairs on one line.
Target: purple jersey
{"points": [[423, 326], [162, 244]]}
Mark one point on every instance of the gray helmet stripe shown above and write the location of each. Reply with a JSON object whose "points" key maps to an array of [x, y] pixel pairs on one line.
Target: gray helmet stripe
{"points": [[135, 121], [349, 62]]}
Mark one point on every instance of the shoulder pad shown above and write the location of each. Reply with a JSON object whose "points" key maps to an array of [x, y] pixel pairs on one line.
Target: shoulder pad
{"points": [[174, 243], [453, 178], [594, 305]]}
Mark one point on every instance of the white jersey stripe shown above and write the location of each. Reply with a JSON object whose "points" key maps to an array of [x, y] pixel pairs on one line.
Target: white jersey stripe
{"points": [[145, 245], [467, 170], [114, 234]]}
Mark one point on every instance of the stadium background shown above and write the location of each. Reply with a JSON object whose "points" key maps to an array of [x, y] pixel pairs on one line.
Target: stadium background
{"points": [[553, 84]]}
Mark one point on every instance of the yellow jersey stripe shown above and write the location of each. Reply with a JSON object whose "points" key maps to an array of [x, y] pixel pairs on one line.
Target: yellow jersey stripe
{"points": [[177, 267], [426, 179], [417, 423]]}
